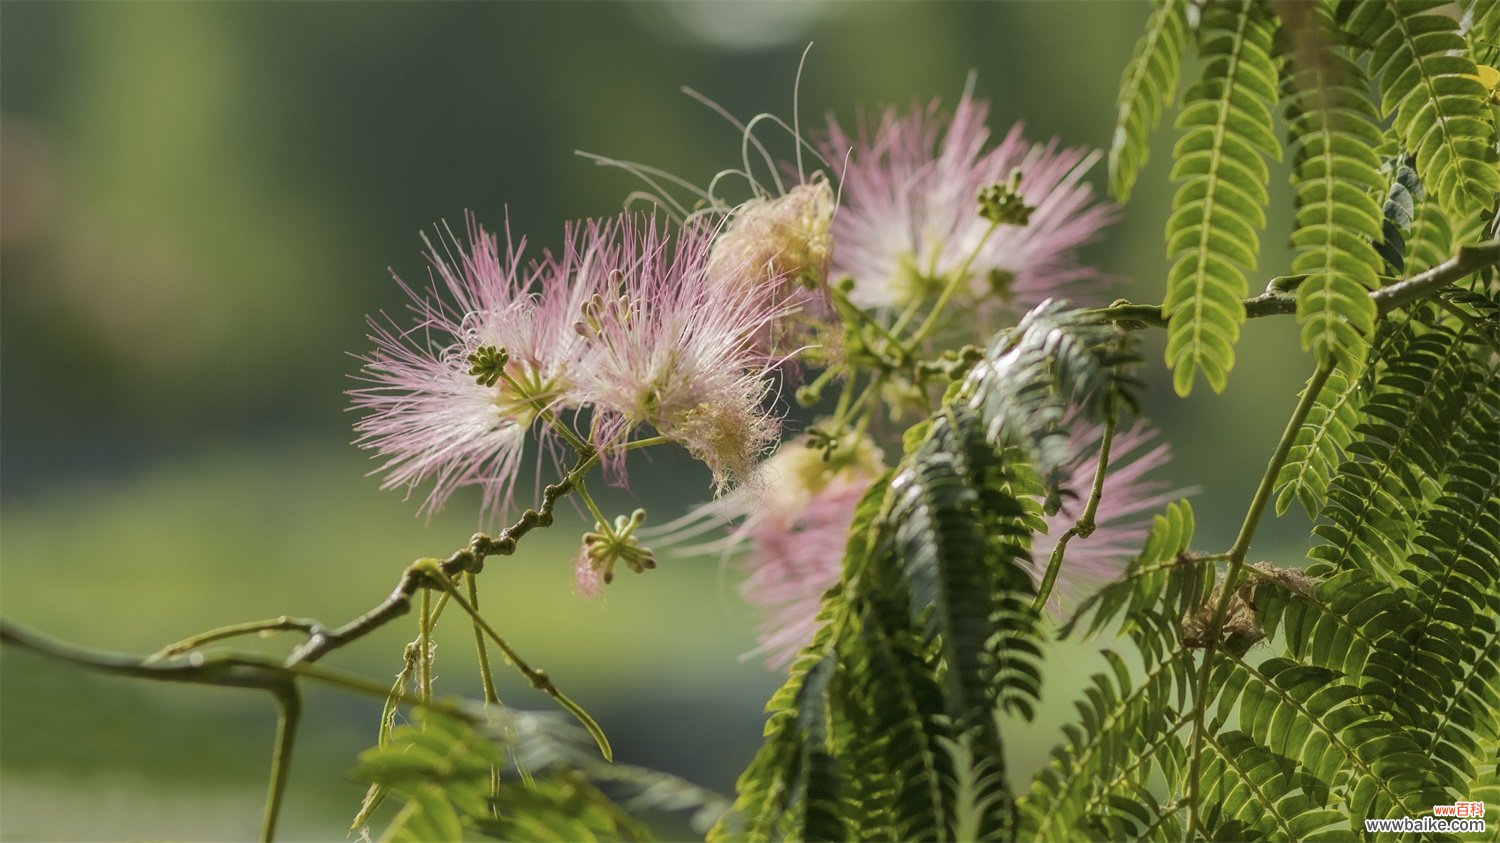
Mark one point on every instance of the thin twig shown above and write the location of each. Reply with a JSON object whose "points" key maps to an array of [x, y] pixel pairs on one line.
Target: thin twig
{"points": [[424, 646], [1085, 525], [280, 624], [1390, 297], [486, 677], [471, 559], [536, 676], [289, 705], [1237, 553]]}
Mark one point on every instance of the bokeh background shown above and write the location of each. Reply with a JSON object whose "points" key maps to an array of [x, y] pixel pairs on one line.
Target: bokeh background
{"points": [[201, 201]]}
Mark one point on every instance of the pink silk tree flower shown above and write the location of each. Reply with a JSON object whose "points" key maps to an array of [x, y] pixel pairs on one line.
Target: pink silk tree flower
{"points": [[791, 530], [1130, 497], [783, 245], [427, 415], [671, 347], [910, 215], [771, 240], [787, 527]]}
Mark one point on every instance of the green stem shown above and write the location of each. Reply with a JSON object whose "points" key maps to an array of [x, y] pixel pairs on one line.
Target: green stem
{"points": [[1467, 261], [1085, 525], [910, 313], [538, 678], [1237, 553], [583, 448], [892, 341], [588, 501], [869, 391], [960, 277], [424, 639], [828, 374], [486, 677], [649, 442], [1263, 492], [289, 704], [846, 394], [280, 624]]}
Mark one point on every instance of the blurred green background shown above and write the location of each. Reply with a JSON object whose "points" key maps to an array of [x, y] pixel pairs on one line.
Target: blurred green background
{"points": [[200, 204]]}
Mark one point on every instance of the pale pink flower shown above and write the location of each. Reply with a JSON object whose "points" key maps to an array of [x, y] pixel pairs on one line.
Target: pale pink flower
{"points": [[672, 348], [792, 558], [910, 214], [788, 527], [586, 581], [1130, 498], [426, 416], [790, 532], [770, 240]]}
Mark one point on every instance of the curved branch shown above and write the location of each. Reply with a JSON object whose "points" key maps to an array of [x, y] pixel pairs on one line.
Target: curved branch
{"points": [[1276, 301], [323, 641]]}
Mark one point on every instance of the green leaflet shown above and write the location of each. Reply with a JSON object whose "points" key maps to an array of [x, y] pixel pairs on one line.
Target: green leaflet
{"points": [[1124, 728], [1332, 129], [1435, 672], [1461, 740], [438, 768], [1213, 235], [1250, 792], [1149, 83], [1428, 82], [1481, 23], [1402, 447], [1320, 444], [1310, 715]]}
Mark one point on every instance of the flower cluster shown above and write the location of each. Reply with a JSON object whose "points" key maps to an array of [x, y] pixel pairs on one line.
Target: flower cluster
{"points": [[908, 222], [624, 323], [637, 332]]}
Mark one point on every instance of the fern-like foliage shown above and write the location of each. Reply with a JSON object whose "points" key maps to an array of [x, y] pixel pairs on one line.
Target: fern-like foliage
{"points": [[1333, 132], [1482, 28], [1442, 670], [1213, 236], [439, 769], [1403, 448], [1241, 699], [1150, 83], [933, 574], [1379, 696], [1128, 727], [1320, 445], [1430, 85], [1055, 361], [930, 633]]}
